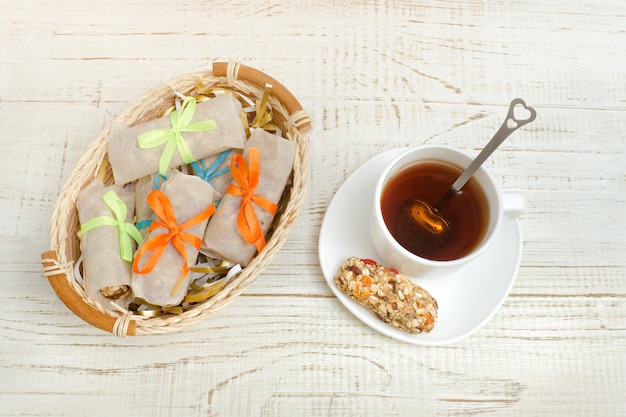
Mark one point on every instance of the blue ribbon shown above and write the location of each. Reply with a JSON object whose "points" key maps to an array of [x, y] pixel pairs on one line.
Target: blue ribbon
{"points": [[144, 223], [155, 185], [212, 171]]}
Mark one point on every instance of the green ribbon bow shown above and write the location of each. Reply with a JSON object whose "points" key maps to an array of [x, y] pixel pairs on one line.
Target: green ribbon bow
{"points": [[126, 230], [173, 138]]}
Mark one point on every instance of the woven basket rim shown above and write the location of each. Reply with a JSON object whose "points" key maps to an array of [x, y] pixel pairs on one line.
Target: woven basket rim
{"points": [[59, 262]]}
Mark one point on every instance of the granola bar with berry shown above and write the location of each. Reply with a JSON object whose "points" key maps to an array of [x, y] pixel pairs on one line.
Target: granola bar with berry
{"points": [[387, 293]]}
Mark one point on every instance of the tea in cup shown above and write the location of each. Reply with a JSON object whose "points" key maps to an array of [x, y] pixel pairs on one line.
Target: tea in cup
{"points": [[422, 227]]}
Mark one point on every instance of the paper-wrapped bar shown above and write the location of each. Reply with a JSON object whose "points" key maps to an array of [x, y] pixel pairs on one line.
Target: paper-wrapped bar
{"points": [[161, 267], [106, 217], [143, 211], [193, 132], [245, 214]]}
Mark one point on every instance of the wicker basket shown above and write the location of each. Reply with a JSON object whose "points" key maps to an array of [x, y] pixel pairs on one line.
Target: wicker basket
{"points": [[60, 261]]}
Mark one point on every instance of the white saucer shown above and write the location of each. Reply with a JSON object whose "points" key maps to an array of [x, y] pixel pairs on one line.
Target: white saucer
{"points": [[467, 299]]}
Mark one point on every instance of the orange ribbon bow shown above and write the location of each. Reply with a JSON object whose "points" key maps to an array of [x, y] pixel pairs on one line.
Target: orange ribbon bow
{"points": [[175, 234], [247, 176]]}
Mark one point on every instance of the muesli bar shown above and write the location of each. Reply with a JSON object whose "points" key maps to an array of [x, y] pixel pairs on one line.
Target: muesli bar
{"points": [[391, 296]]}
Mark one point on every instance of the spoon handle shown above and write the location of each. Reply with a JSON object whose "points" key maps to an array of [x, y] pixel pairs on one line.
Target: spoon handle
{"points": [[510, 125]]}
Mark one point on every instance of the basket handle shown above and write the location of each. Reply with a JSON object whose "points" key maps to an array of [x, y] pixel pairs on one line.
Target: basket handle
{"points": [[260, 79], [73, 301]]}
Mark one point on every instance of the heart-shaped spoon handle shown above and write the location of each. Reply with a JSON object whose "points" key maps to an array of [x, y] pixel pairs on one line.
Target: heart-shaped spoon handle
{"points": [[510, 125]]}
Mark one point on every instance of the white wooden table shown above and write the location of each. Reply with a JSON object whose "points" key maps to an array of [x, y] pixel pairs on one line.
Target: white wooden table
{"points": [[374, 75]]}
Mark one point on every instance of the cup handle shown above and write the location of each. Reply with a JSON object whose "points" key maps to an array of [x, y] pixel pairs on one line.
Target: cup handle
{"points": [[513, 204]]}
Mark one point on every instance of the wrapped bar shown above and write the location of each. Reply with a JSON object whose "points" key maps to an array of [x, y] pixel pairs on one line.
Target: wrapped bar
{"points": [[193, 132], [143, 211], [182, 209], [106, 217], [246, 211]]}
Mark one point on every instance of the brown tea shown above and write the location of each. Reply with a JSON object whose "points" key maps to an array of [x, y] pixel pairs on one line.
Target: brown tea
{"points": [[466, 211]]}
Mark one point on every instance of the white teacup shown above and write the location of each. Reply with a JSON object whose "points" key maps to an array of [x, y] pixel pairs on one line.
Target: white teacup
{"points": [[395, 255]]}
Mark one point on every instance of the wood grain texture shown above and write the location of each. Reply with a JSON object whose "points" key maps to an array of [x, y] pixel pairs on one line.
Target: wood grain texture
{"points": [[374, 75]]}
